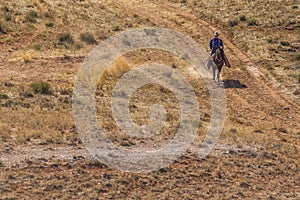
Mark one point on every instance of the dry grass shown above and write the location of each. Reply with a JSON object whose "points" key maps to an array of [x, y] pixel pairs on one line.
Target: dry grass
{"points": [[49, 37], [39, 118], [43, 43], [144, 98], [52, 23]]}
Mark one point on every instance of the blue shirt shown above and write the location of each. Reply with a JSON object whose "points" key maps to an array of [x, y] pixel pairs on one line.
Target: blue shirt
{"points": [[215, 43]]}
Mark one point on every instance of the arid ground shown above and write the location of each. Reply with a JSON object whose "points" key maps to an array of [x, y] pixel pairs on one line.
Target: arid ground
{"points": [[44, 43]]}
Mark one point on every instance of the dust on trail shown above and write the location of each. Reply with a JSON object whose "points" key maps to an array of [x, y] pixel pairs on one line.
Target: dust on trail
{"points": [[20, 156]]}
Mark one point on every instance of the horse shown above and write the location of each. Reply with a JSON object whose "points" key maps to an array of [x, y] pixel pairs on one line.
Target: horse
{"points": [[216, 62]]}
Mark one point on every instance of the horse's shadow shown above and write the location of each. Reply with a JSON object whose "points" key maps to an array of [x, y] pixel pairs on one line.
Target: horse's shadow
{"points": [[229, 83]]}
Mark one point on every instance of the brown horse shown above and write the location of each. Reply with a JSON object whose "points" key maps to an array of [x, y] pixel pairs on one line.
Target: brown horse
{"points": [[216, 62]]}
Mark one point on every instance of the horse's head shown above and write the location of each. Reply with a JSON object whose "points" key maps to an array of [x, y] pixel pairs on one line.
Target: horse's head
{"points": [[218, 56]]}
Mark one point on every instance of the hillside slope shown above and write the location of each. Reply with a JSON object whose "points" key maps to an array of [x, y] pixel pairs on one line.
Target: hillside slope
{"points": [[44, 43]]}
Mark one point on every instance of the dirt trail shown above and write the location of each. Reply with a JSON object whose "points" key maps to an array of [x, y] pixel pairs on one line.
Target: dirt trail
{"points": [[21, 156]]}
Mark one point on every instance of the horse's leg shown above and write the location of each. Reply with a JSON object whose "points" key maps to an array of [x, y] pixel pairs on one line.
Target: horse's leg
{"points": [[218, 76], [219, 73], [214, 72]]}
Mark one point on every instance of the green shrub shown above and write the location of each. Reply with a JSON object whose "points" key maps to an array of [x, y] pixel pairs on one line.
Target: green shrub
{"points": [[8, 17], [233, 22], [2, 28], [233, 130], [4, 96], [41, 87], [252, 22], [269, 67], [27, 94], [66, 38], [88, 38], [8, 103], [117, 28], [258, 131], [297, 56], [5, 9], [79, 45], [243, 18], [285, 43], [296, 92], [38, 47], [55, 44], [31, 16], [50, 24], [282, 130], [272, 40], [66, 91], [7, 13], [49, 14]]}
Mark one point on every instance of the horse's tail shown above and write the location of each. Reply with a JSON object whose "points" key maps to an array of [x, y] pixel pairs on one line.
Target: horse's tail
{"points": [[227, 63], [208, 63]]}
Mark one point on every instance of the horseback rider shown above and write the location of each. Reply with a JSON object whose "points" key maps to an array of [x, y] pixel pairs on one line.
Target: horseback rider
{"points": [[216, 43]]}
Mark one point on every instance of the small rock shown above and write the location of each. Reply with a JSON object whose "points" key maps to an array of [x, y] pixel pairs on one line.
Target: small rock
{"points": [[163, 170], [244, 185], [8, 150], [9, 84], [76, 158], [271, 198], [269, 155]]}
